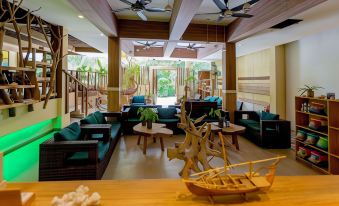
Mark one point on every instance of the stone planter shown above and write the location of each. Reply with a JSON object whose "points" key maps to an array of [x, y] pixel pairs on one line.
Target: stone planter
{"points": [[310, 93], [149, 124], [221, 122]]}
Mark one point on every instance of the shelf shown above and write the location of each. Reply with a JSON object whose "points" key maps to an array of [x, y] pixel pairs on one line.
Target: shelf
{"points": [[38, 50], [18, 69], [39, 64], [7, 106], [311, 164], [312, 114], [312, 146], [16, 86], [311, 130], [312, 98]]}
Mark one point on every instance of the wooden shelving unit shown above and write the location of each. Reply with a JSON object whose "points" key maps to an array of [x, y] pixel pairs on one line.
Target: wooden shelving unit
{"points": [[37, 80], [204, 83], [331, 132]]}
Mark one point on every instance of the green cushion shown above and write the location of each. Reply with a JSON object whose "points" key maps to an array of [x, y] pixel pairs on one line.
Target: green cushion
{"points": [[246, 122], [69, 133], [115, 129], [99, 117], [133, 120], [214, 98], [90, 119], [168, 120], [207, 98], [82, 157], [138, 99], [167, 113], [219, 101], [269, 116], [255, 127]]}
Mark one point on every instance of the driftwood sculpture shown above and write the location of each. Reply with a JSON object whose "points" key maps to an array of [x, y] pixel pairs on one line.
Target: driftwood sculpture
{"points": [[9, 15], [54, 43], [194, 147]]}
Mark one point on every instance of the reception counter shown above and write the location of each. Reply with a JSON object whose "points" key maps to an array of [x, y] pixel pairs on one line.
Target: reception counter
{"points": [[291, 190]]}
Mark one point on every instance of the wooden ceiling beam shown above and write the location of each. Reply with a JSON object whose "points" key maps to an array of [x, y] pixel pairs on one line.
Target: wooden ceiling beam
{"points": [[86, 49], [139, 51], [99, 13], [184, 53], [182, 15], [209, 50], [267, 13]]}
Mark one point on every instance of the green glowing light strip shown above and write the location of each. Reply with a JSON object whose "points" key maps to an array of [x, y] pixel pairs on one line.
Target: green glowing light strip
{"points": [[15, 140]]}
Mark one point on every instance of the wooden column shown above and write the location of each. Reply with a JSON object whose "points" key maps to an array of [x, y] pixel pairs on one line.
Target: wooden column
{"points": [[229, 85], [113, 74]]}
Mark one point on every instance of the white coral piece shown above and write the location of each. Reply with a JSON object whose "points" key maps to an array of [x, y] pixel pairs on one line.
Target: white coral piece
{"points": [[77, 198]]}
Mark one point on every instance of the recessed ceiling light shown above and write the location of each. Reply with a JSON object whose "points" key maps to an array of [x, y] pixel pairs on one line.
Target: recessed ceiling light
{"points": [[81, 16], [239, 45], [101, 34]]}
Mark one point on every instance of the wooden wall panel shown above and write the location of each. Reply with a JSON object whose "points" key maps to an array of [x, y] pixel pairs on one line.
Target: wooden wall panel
{"points": [[143, 30], [198, 32], [184, 53], [139, 51]]}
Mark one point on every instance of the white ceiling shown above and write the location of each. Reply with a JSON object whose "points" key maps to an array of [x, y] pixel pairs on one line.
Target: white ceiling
{"points": [[62, 13], [320, 18], [317, 19]]}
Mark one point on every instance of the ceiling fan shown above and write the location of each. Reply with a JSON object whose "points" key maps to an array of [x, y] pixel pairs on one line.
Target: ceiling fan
{"points": [[191, 47], [139, 7], [147, 45], [225, 11]]}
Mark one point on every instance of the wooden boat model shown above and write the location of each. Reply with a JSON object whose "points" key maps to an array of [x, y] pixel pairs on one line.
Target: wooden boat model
{"points": [[218, 181]]}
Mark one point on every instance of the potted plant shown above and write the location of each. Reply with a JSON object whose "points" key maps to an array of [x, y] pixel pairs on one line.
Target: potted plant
{"points": [[142, 116], [309, 90], [150, 116], [217, 113]]}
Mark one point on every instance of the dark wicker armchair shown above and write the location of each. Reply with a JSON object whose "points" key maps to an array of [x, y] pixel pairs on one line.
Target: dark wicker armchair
{"points": [[269, 132]]}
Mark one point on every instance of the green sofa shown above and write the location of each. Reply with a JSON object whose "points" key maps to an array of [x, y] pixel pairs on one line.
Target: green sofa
{"points": [[265, 129], [80, 152], [168, 116]]}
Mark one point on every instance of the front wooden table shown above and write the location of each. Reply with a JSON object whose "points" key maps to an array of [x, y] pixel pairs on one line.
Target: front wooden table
{"points": [[291, 190], [158, 130]]}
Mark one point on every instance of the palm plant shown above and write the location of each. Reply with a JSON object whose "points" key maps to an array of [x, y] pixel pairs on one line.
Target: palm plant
{"points": [[309, 90]]}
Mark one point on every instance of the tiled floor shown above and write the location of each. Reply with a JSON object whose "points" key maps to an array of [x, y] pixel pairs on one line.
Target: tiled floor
{"points": [[128, 161]]}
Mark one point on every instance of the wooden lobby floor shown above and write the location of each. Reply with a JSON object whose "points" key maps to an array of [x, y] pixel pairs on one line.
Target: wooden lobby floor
{"points": [[128, 161]]}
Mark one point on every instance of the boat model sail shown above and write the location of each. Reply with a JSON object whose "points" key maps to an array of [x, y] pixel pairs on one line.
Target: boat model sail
{"points": [[219, 182]]}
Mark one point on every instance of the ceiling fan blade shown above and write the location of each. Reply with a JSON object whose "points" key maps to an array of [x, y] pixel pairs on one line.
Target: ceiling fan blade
{"points": [[140, 43], [119, 10], [220, 18], [240, 7], [241, 15], [152, 43], [198, 47], [208, 13], [142, 15], [155, 10], [220, 4], [142, 2], [127, 2], [192, 45]]}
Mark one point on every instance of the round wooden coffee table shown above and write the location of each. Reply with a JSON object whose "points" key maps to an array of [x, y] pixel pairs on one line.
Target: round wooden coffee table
{"points": [[233, 130], [158, 130]]}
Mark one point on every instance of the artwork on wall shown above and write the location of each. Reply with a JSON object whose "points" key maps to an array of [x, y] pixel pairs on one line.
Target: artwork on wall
{"points": [[5, 61]]}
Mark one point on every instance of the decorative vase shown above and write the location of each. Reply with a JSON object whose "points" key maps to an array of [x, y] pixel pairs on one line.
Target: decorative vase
{"points": [[143, 123], [310, 93], [149, 124], [221, 122]]}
